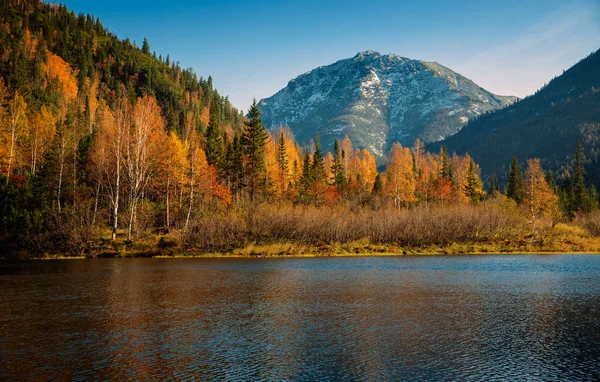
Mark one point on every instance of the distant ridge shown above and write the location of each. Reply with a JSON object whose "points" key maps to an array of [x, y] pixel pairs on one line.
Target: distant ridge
{"points": [[546, 125]]}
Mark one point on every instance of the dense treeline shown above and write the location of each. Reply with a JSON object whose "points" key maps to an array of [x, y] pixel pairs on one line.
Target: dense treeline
{"points": [[546, 125], [105, 148]]}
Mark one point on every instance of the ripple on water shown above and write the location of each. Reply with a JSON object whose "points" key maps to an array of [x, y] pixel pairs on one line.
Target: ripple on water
{"points": [[435, 318]]}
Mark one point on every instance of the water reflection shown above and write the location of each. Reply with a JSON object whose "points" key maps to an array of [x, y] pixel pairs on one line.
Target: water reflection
{"points": [[437, 318]]}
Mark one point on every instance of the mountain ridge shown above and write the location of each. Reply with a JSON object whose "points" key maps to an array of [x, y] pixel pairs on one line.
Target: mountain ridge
{"points": [[545, 125], [376, 100]]}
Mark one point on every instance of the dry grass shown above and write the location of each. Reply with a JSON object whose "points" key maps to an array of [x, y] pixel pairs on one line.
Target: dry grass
{"points": [[271, 230]]}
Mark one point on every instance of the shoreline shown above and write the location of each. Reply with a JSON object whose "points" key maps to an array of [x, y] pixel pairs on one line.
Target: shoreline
{"points": [[307, 255]]}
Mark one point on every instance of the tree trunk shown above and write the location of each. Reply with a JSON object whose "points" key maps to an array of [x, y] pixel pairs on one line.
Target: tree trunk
{"points": [[34, 154], [131, 218], [60, 173], [189, 213], [116, 200], [96, 204], [167, 202], [11, 154]]}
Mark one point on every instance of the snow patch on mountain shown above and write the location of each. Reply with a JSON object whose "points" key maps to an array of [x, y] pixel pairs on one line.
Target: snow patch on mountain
{"points": [[377, 100]]}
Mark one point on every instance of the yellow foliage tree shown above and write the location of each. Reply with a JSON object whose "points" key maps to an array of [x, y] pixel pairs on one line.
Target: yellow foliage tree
{"points": [[541, 199], [14, 129], [42, 130], [109, 152], [400, 179], [142, 151], [172, 172], [368, 169]]}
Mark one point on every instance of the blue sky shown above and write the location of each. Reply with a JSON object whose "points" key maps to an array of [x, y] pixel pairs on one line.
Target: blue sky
{"points": [[253, 48]]}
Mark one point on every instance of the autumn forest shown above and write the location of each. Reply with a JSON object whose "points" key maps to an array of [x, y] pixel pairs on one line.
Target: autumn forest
{"points": [[107, 149]]}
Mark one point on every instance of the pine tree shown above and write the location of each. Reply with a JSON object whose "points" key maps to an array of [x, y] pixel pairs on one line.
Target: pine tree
{"points": [[377, 186], [282, 159], [213, 143], [306, 178], [235, 165], [516, 187], [317, 168], [447, 173], [146, 46], [473, 188], [337, 168], [253, 141]]}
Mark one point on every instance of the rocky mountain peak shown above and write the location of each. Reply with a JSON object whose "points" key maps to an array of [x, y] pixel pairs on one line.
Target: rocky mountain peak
{"points": [[376, 100]]}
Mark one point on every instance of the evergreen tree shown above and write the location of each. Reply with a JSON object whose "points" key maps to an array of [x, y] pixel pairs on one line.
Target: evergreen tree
{"points": [[447, 173], [146, 46], [213, 144], [282, 159], [317, 168], [254, 140], [282, 162], [235, 165], [306, 178], [337, 168], [377, 186], [472, 189], [516, 186]]}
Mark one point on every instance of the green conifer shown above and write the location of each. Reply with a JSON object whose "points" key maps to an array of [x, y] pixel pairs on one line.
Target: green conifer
{"points": [[253, 141], [516, 187]]}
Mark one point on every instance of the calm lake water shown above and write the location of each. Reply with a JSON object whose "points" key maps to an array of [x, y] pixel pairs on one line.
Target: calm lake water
{"points": [[380, 318]]}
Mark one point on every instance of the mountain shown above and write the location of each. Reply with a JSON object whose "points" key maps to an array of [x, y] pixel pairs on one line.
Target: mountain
{"points": [[546, 125], [376, 100]]}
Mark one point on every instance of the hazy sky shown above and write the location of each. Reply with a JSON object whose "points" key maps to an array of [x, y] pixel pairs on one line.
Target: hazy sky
{"points": [[253, 48]]}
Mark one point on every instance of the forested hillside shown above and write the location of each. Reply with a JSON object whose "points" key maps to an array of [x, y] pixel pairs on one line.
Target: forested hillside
{"points": [[546, 125]]}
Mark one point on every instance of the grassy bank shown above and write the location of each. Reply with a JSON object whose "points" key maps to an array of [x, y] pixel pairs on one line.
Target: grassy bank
{"points": [[562, 238], [280, 230]]}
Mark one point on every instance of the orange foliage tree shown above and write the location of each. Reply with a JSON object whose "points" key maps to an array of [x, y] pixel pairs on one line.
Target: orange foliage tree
{"points": [[400, 179], [142, 150]]}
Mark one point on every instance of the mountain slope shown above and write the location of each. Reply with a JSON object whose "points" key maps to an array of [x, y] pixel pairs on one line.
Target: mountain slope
{"points": [[48, 53], [377, 100], [546, 125]]}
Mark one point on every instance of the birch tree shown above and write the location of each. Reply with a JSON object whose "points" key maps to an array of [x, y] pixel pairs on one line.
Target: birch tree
{"points": [[142, 142]]}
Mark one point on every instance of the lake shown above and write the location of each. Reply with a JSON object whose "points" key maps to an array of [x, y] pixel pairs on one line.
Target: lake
{"points": [[505, 317]]}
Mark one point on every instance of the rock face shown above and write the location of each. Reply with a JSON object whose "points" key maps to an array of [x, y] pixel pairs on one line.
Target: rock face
{"points": [[377, 100]]}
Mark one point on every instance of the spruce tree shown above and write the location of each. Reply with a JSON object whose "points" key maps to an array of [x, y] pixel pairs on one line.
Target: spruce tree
{"points": [[235, 165], [306, 177], [337, 168], [253, 141], [472, 189], [516, 187], [146, 46], [282, 159], [377, 186], [318, 167], [447, 173], [213, 140]]}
